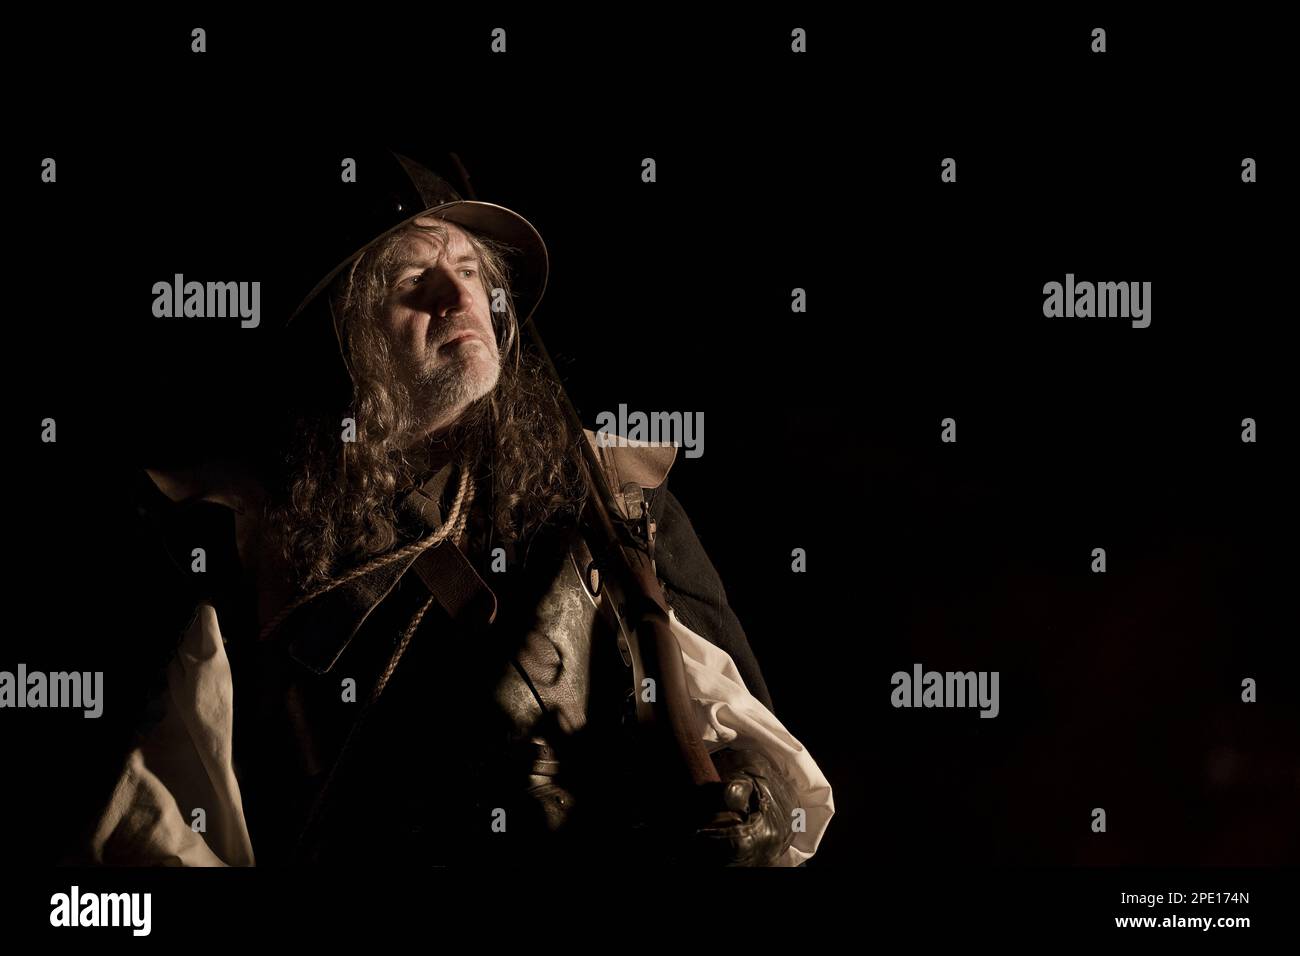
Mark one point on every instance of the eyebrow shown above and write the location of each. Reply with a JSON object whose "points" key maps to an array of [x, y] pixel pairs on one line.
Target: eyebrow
{"points": [[408, 263]]}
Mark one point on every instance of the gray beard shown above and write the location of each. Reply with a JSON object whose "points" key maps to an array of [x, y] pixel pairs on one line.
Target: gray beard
{"points": [[442, 389]]}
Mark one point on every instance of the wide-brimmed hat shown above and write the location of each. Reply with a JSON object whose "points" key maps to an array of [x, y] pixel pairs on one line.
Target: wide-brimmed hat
{"points": [[341, 220]]}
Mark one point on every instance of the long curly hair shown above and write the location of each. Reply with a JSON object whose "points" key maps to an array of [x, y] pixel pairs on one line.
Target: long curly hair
{"points": [[336, 503]]}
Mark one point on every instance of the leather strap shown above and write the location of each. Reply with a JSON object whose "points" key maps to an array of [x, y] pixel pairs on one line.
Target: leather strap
{"points": [[456, 586]]}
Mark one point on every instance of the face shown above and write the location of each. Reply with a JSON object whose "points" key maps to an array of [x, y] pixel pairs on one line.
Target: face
{"points": [[437, 318]]}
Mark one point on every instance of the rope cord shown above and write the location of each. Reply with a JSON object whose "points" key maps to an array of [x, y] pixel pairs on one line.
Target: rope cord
{"points": [[453, 527]]}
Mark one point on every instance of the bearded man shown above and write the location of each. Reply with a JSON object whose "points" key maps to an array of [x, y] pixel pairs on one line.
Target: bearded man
{"points": [[413, 656]]}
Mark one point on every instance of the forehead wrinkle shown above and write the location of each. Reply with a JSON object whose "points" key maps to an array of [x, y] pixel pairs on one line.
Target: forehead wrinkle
{"points": [[421, 249]]}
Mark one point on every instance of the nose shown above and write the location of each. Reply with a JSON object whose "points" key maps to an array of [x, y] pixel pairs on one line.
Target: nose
{"points": [[448, 291]]}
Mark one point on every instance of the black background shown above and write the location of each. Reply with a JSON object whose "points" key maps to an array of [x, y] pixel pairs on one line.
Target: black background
{"points": [[775, 171]]}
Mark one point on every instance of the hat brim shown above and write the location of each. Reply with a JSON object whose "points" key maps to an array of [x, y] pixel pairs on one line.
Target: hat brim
{"points": [[529, 261]]}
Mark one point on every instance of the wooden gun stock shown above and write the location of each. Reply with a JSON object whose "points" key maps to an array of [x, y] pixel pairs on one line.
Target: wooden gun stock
{"points": [[641, 613]]}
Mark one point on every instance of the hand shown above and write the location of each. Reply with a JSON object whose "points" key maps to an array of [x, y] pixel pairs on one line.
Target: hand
{"points": [[754, 826]]}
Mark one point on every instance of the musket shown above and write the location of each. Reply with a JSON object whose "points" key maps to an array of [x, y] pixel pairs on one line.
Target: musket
{"points": [[623, 549]]}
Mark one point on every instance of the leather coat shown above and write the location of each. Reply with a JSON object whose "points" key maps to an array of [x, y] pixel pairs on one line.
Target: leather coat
{"points": [[508, 728]]}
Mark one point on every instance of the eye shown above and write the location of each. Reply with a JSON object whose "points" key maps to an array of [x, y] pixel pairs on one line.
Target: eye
{"points": [[469, 272]]}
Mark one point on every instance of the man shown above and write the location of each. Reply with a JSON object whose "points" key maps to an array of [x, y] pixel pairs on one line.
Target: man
{"points": [[423, 662]]}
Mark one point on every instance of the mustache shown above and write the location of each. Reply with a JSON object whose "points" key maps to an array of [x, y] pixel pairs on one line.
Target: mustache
{"points": [[452, 326]]}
